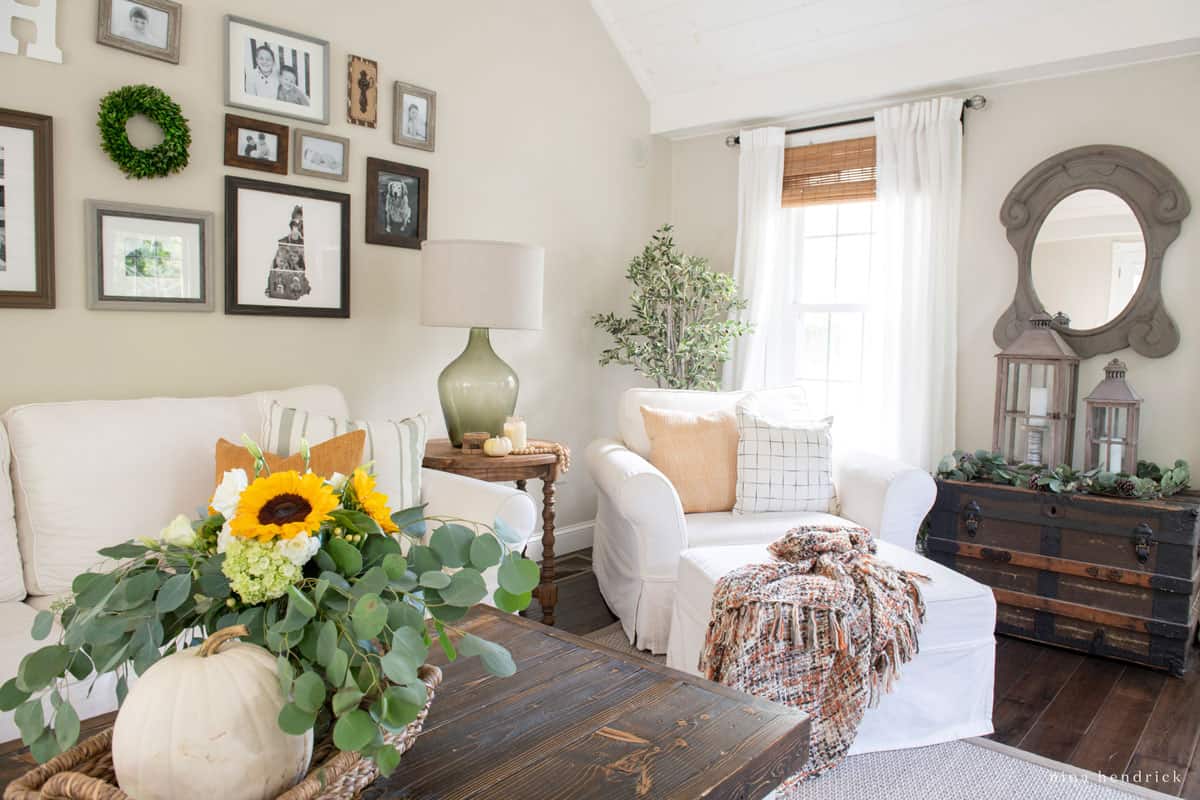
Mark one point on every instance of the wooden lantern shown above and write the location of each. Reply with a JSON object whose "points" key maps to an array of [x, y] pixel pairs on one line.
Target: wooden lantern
{"points": [[1037, 386], [1112, 411]]}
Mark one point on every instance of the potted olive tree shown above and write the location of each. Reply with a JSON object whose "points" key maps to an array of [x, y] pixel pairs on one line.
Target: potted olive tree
{"points": [[684, 318]]}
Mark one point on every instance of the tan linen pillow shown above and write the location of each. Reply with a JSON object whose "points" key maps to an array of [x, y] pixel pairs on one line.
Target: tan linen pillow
{"points": [[339, 454], [697, 453]]}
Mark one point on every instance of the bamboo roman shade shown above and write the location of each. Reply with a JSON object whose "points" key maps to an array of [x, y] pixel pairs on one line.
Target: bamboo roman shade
{"points": [[831, 172]]}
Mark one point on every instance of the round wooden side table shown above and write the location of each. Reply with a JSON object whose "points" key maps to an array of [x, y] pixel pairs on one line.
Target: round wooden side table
{"points": [[445, 457]]}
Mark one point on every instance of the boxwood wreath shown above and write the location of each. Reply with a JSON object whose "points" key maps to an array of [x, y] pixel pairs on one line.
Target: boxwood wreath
{"points": [[170, 155]]}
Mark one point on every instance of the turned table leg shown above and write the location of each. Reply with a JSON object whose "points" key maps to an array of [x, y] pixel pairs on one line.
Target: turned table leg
{"points": [[547, 591]]}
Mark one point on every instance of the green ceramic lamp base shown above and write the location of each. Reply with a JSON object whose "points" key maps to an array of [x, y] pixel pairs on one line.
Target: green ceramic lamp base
{"points": [[478, 390]]}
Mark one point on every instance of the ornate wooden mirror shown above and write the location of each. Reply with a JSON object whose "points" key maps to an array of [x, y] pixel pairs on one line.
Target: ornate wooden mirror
{"points": [[1090, 227]]}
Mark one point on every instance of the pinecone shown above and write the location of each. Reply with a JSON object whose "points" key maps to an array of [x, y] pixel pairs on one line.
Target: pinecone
{"points": [[1126, 487], [1033, 482]]}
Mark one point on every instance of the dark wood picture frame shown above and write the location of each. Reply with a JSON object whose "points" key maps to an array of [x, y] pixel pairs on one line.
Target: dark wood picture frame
{"points": [[233, 158], [42, 127], [377, 204], [232, 306], [107, 36]]}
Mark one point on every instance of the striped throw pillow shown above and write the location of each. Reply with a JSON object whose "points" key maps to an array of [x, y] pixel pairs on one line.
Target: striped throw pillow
{"points": [[783, 467], [395, 446]]}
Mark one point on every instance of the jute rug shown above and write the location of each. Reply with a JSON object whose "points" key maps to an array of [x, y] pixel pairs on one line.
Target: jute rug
{"points": [[971, 769]]}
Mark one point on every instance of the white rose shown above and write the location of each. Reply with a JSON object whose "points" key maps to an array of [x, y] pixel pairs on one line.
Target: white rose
{"points": [[225, 499], [224, 538], [179, 532], [337, 480], [300, 548]]}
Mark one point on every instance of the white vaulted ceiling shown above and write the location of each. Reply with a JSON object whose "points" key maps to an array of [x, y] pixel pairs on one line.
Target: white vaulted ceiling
{"points": [[714, 63]]}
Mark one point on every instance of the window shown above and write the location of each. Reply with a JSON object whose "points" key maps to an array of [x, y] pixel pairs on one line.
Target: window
{"points": [[833, 255]]}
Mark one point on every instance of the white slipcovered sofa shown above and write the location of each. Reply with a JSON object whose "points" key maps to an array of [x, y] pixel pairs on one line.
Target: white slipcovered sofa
{"points": [[75, 477], [657, 567]]}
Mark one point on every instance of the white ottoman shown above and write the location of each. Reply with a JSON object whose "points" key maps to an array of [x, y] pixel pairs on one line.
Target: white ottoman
{"points": [[945, 693]]}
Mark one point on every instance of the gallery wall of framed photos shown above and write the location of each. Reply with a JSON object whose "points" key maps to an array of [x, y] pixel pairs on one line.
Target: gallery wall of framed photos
{"points": [[493, 100]]}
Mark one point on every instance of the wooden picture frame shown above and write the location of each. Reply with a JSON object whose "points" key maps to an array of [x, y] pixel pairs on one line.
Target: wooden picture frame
{"points": [[330, 161], [309, 98], [362, 91], [298, 280], [171, 224], [420, 105], [145, 23], [27, 251], [246, 138], [394, 217]]}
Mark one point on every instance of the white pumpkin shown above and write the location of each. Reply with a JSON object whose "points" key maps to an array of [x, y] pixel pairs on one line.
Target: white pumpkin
{"points": [[497, 446], [201, 724]]}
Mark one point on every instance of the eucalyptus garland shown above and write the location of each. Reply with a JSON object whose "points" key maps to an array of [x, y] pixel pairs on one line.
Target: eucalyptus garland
{"points": [[170, 155], [1148, 482]]}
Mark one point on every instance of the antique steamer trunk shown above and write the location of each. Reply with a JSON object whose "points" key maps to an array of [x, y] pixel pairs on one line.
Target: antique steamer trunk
{"points": [[1113, 577]]}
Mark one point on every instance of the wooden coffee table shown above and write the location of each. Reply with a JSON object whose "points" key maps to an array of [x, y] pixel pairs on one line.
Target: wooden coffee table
{"points": [[578, 721]]}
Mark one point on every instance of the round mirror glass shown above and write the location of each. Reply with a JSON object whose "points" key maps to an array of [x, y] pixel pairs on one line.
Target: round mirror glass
{"points": [[1088, 258]]}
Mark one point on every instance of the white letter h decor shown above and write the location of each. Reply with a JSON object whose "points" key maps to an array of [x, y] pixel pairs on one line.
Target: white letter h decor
{"points": [[44, 18]]}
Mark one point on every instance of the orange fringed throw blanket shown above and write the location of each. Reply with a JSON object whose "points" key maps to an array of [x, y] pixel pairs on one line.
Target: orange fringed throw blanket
{"points": [[824, 628]]}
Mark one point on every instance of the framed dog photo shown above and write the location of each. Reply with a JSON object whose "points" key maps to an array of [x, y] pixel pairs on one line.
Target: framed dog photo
{"points": [[397, 204], [146, 27], [414, 120], [362, 91], [321, 155], [276, 71], [146, 258], [255, 144], [287, 250], [26, 210]]}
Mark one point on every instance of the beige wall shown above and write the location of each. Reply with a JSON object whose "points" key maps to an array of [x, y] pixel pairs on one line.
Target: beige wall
{"points": [[541, 131], [1023, 124]]}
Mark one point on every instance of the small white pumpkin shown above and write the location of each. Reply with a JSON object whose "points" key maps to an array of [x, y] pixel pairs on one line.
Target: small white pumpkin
{"points": [[201, 724], [497, 446]]}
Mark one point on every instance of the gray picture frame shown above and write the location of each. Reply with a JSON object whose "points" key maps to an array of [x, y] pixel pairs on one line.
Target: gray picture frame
{"points": [[399, 89], [99, 301], [298, 168], [1159, 202], [233, 102], [174, 12]]}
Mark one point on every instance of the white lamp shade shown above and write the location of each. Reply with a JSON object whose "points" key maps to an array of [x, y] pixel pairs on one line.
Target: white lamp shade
{"points": [[478, 284]]}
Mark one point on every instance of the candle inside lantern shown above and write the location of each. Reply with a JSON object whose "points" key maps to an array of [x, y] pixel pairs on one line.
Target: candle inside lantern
{"points": [[515, 429]]}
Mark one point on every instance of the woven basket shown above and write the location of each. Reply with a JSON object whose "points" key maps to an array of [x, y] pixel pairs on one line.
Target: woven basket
{"points": [[85, 772]]}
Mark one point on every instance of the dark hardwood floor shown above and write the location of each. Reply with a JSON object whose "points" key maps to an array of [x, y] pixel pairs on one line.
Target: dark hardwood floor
{"points": [[1137, 724]]}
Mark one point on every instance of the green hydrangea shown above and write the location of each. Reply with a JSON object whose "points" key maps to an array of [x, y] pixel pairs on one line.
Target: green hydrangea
{"points": [[258, 571]]}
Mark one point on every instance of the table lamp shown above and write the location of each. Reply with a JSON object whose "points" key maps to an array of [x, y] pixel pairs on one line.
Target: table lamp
{"points": [[480, 285]]}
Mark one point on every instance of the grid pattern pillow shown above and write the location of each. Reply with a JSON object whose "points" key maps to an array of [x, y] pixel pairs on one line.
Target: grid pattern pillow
{"points": [[783, 467], [395, 446]]}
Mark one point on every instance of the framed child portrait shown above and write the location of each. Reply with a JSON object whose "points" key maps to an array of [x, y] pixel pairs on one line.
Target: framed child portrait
{"points": [[146, 27], [414, 118], [255, 144], [287, 250], [276, 71]]}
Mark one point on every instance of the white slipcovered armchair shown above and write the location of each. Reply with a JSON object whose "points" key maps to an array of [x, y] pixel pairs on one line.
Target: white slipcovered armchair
{"points": [[641, 529]]}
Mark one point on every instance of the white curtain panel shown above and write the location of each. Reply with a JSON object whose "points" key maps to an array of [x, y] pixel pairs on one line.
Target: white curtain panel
{"points": [[759, 253], [919, 164]]}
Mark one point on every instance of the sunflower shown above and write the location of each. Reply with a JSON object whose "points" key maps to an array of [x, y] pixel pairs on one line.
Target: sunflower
{"points": [[281, 505], [373, 503]]}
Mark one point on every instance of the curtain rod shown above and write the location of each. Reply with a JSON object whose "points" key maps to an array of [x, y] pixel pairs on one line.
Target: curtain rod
{"points": [[975, 102]]}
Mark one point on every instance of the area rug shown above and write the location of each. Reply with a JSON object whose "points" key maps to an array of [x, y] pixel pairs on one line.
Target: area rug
{"points": [[971, 769]]}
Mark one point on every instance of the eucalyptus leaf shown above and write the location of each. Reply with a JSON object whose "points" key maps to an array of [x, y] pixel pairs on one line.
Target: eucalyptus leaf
{"points": [[486, 552], [11, 695], [29, 720], [466, 588], [43, 623], [495, 658], [174, 591], [302, 604], [435, 579], [452, 543], [512, 603], [518, 575], [295, 721], [308, 692], [45, 747], [354, 731], [66, 726], [423, 559], [387, 758], [327, 643], [338, 664], [346, 556], [345, 700], [369, 616], [394, 566], [39, 668]]}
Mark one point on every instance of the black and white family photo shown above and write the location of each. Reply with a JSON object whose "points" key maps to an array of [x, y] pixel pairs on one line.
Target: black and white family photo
{"points": [[286, 279], [146, 27], [397, 203], [277, 71], [257, 144]]}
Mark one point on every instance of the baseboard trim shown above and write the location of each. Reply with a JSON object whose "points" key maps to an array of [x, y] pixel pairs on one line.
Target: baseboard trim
{"points": [[567, 539]]}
